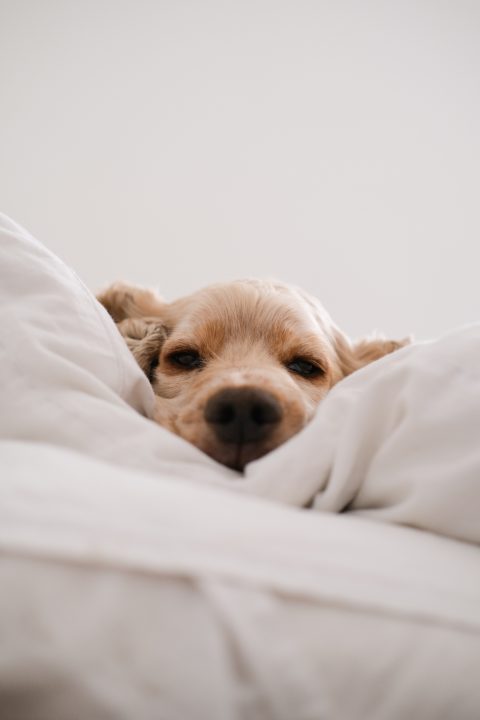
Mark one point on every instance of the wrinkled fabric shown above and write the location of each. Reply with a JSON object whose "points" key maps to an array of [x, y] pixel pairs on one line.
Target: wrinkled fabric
{"points": [[132, 585]]}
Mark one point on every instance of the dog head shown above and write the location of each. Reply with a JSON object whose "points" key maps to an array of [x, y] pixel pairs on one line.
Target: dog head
{"points": [[238, 368]]}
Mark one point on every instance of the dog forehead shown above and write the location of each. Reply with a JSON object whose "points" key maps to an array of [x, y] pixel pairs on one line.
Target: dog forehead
{"points": [[244, 309]]}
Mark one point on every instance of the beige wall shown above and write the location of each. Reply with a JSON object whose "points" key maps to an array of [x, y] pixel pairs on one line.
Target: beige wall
{"points": [[331, 144]]}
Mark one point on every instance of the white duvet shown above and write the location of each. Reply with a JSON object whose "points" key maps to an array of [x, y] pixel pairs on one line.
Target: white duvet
{"points": [[140, 579]]}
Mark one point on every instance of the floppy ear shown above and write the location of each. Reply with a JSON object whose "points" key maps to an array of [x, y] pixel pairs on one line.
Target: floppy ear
{"points": [[137, 313], [370, 349], [353, 356], [145, 340], [129, 301]]}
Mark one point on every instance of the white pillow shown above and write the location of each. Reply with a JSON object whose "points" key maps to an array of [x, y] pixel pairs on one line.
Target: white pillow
{"points": [[69, 379]]}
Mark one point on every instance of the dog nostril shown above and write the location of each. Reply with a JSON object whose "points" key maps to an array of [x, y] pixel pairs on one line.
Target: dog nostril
{"points": [[225, 414], [264, 413]]}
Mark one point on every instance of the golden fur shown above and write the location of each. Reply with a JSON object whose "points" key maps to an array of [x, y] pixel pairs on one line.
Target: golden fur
{"points": [[242, 335]]}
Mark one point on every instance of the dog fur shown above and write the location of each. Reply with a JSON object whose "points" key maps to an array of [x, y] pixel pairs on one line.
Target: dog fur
{"points": [[238, 368]]}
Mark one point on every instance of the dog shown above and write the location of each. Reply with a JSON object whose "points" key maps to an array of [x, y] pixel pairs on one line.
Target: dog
{"points": [[237, 368]]}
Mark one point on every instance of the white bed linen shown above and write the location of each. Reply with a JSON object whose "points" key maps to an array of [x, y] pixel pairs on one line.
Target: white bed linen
{"points": [[127, 595], [133, 586]]}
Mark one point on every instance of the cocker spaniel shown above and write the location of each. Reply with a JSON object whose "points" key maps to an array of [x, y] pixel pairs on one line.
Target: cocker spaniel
{"points": [[238, 368]]}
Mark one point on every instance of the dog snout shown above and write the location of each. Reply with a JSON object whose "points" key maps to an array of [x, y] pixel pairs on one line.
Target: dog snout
{"points": [[242, 415]]}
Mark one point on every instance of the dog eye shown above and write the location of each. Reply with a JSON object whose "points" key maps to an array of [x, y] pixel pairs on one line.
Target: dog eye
{"points": [[186, 359], [305, 368]]}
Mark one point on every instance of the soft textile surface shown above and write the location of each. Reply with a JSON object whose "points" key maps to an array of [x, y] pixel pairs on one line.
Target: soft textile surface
{"points": [[127, 595], [397, 441], [134, 586]]}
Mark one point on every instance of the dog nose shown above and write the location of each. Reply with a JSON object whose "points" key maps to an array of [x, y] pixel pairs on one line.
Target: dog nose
{"points": [[241, 415]]}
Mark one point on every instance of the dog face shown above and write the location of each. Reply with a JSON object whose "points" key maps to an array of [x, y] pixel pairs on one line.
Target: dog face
{"points": [[237, 369]]}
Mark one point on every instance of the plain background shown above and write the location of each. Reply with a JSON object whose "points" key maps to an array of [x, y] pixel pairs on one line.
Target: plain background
{"points": [[334, 145]]}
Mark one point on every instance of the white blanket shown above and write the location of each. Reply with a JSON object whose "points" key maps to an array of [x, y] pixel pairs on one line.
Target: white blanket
{"points": [[133, 585]]}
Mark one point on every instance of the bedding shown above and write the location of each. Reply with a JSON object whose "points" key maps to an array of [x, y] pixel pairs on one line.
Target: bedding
{"points": [[140, 579]]}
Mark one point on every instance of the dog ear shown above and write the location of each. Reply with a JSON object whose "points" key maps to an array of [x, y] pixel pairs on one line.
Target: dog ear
{"points": [[144, 339], [353, 356], [370, 349], [129, 301], [138, 314]]}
